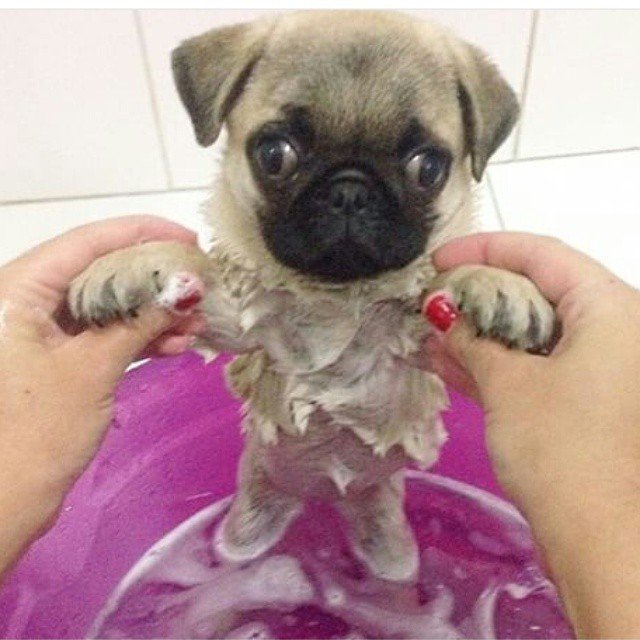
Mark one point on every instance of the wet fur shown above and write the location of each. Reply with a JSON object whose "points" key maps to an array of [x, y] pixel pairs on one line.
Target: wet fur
{"points": [[338, 394]]}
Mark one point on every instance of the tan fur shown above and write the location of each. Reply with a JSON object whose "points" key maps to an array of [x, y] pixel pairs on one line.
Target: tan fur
{"points": [[336, 401]]}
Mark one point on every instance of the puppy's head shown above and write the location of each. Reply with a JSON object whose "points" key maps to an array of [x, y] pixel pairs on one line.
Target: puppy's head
{"points": [[353, 136]]}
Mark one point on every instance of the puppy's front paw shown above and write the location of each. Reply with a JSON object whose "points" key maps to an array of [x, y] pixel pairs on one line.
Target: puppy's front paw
{"points": [[118, 284], [501, 305]]}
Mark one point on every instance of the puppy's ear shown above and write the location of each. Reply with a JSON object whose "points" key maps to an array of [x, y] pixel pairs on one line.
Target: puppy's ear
{"points": [[489, 105], [212, 69]]}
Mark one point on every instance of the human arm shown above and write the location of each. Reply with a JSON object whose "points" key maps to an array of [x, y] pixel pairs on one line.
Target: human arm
{"points": [[56, 379], [563, 431]]}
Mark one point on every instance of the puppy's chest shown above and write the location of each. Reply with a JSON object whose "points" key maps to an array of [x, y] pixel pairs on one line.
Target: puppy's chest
{"points": [[327, 462], [335, 342], [311, 365]]}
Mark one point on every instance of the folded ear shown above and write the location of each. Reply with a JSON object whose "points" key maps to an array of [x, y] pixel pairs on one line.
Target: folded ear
{"points": [[211, 70], [489, 105]]}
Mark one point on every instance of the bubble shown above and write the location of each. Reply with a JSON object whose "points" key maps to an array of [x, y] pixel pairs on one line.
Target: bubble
{"points": [[251, 631], [334, 596]]}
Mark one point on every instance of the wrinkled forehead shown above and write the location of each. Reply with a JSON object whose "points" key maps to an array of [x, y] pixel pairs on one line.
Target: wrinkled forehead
{"points": [[359, 88]]}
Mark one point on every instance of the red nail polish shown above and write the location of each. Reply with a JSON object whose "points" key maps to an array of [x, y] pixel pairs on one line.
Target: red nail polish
{"points": [[183, 304], [440, 311]]}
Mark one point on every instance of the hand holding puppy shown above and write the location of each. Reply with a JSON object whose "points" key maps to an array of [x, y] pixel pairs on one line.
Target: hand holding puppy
{"points": [[563, 431], [56, 383]]}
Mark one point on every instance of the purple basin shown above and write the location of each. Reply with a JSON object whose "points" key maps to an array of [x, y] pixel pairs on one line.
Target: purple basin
{"points": [[171, 451]]}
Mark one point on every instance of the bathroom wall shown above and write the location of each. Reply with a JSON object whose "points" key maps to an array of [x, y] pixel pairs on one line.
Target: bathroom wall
{"points": [[90, 124]]}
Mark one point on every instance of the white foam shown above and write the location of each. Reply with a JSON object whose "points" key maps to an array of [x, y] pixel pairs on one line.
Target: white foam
{"points": [[178, 286], [521, 591], [280, 579], [153, 557], [251, 631], [484, 612], [435, 622], [181, 589], [334, 596]]}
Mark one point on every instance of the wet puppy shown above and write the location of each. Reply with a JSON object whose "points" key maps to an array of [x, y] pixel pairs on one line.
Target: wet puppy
{"points": [[354, 140]]}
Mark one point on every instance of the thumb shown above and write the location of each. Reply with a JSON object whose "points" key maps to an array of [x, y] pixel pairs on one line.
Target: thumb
{"points": [[117, 345], [480, 356]]}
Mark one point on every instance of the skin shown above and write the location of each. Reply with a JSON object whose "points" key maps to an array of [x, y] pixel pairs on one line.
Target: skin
{"points": [[57, 403], [370, 99], [563, 432]]}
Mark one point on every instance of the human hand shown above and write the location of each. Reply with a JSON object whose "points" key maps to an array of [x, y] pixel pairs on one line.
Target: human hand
{"points": [[57, 379], [563, 431]]}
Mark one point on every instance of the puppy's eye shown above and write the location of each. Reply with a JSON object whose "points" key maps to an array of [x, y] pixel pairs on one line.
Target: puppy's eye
{"points": [[428, 169], [276, 157]]}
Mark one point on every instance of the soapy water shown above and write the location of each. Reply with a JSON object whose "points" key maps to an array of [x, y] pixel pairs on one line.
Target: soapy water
{"points": [[478, 578]]}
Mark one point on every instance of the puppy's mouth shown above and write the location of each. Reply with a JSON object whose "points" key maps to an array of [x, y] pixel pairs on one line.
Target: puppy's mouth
{"points": [[344, 228]]}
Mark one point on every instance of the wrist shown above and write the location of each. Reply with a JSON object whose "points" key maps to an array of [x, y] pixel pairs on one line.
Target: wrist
{"points": [[589, 541]]}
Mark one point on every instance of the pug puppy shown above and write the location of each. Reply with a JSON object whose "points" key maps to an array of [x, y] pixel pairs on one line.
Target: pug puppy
{"points": [[354, 140]]}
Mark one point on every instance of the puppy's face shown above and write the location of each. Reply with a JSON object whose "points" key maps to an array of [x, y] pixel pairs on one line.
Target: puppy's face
{"points": [[350, 133], [348, 169]]}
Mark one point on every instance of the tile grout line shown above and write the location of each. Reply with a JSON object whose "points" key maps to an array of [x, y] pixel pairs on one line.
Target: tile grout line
{"points": [[104, 196], [152, 97], [533, 32], [562, 156], [494, 201], [173, 189]]}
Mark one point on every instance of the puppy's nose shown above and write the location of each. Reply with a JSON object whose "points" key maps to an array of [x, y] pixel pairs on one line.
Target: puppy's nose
{"points": [[348, 195]]}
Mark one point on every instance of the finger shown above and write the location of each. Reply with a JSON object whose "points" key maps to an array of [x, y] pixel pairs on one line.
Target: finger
{"points": [[554, 267], [116, 346], [169, 345], [42, 276], [181, 337], [481, 357], [194, 324], [448, 368], [458, 339]]}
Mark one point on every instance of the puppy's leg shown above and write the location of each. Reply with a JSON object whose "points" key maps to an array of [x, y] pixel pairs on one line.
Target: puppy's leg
{"points": [[259, 515], [380, 532], [169, 274], [501, 305]]}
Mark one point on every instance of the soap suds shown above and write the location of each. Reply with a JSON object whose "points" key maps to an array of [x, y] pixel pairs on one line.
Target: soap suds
{"points": [[311, 585]]}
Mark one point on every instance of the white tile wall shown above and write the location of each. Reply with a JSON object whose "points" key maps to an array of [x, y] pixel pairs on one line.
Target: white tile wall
{"points": [[190, 165], [584, 85], [39, 221], [22, 226], [75, 110], [488, 217], [508, 48], [77, 119], [591, 202]]}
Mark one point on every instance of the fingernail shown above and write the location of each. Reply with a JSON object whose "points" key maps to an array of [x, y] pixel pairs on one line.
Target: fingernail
{"points": [[181, 293], [440, 310], [184, 304]]}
